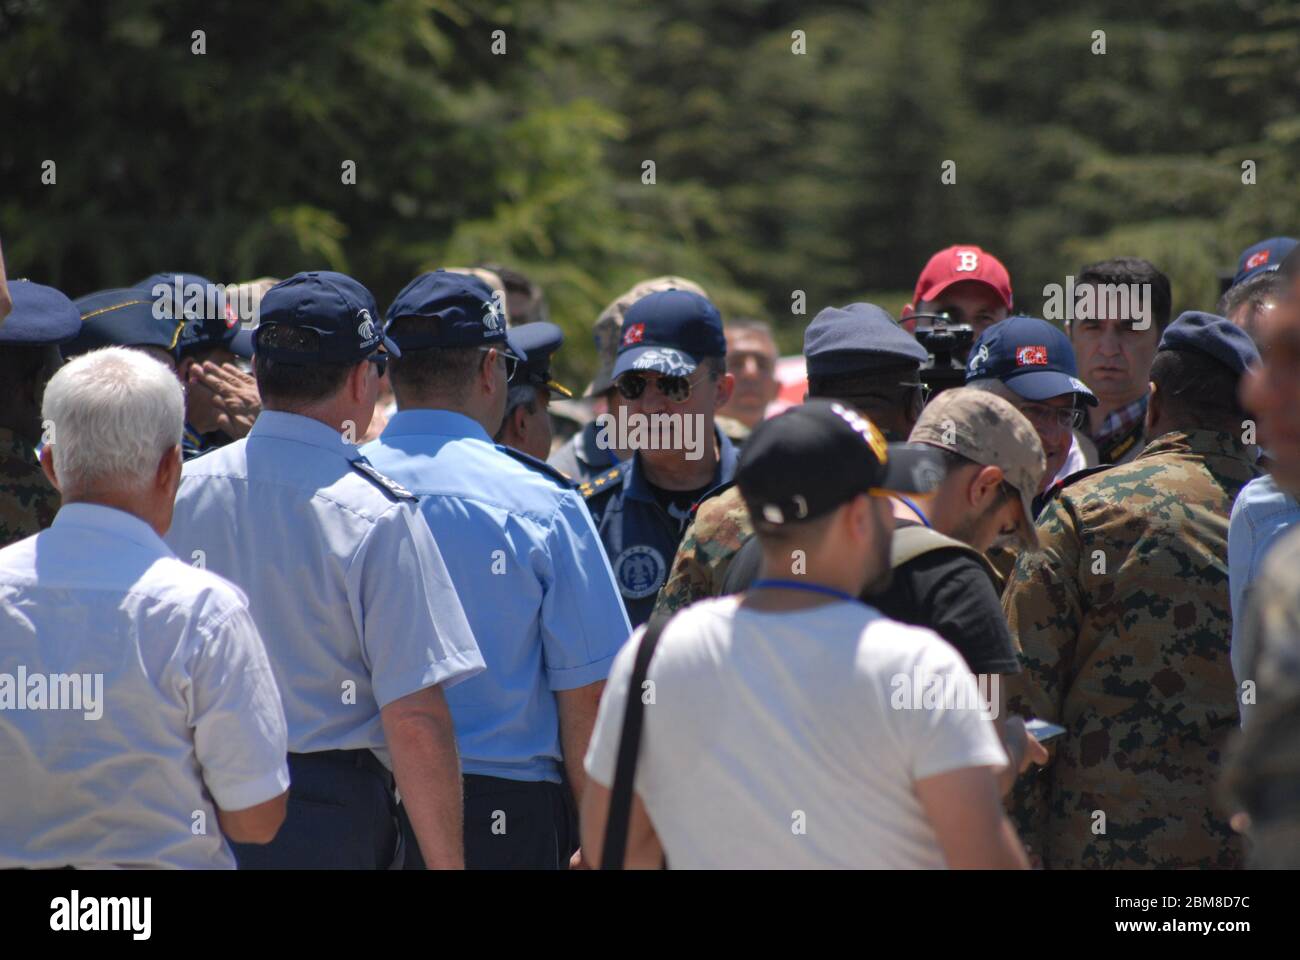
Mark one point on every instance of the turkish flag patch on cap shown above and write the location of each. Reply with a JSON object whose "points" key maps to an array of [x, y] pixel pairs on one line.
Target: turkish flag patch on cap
{"points": [[1031, 356], [1257, 260], [636, 333]]}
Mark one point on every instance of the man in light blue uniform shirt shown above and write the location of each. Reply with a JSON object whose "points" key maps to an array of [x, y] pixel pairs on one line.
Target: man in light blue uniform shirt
{"points": [[139, 717], [1262, 512], [346, 584], [526, 562]]}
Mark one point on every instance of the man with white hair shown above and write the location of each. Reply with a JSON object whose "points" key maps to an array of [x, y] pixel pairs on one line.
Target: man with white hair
{"points": [[140, 724]]}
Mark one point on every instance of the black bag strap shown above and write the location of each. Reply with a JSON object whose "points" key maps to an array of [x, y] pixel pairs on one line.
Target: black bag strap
{"points": [[629, 747]]}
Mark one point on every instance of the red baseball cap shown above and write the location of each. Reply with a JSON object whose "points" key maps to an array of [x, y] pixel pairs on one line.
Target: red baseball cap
{"points": [[959, 263]]}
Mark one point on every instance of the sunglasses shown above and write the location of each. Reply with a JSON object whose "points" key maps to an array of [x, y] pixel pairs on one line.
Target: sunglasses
{"points": [[1067, 418], [380, 360], [673, 389], [512, 363]]}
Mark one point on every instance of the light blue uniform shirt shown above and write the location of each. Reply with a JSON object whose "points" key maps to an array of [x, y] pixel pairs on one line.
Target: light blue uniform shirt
{"points": [[1260, 514], [532, 574], [135, 700], [343, 578]]}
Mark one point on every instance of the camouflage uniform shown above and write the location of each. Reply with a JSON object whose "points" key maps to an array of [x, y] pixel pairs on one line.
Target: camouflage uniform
{"points": [[28, 502], [716, 532], [1263, 776], [1124, 626]]}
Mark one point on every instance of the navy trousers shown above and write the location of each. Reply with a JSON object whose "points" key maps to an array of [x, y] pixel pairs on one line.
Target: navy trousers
{"points": [[342, 815]]}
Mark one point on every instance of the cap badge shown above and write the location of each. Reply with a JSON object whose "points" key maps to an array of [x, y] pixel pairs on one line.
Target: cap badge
{"points": [[366, 328], [634, 334], [979, 358], [1257, 259], [671, 363], [1031, 356], [968, 261], [493, 315]]}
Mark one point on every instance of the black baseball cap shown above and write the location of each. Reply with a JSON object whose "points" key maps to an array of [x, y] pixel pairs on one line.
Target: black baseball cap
{"points": [[812, 458], [335, 306], [210, 318], [468, 311]]}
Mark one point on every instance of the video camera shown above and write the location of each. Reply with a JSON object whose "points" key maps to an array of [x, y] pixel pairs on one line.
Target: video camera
{"points": [[944, 341]]}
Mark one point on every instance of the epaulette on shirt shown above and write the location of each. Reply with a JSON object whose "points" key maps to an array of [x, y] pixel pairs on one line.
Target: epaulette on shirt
{"points": [[541, 466], [606, 481], [392, 489], [715, 492]]}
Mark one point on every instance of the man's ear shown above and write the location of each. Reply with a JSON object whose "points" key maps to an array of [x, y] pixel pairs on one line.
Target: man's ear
{"points": [[47, 465], [487, 370], [357, 381], [1154, 403], [726, 387], [168, 474], [183, 369], [984, 485]]}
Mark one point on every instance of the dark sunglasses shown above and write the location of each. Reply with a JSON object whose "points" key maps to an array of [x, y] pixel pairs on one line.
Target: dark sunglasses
{"points": [[674, 389]]}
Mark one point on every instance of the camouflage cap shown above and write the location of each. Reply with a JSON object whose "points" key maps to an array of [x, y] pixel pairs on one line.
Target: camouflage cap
{"points": [[988, 430], [609, 325]]}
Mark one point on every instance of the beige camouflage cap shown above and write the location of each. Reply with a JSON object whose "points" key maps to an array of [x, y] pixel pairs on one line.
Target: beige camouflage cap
{"points": [[987, 430], [609, 325]]}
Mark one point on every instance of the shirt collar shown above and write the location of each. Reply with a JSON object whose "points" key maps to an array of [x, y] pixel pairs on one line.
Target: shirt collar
{"points": [[1117, 421], [637, 487], [279, 425], [442, 423], [111, 521]]}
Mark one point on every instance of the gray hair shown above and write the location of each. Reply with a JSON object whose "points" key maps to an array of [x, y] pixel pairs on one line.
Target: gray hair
{"points": [[114, 413], [519, 395]]}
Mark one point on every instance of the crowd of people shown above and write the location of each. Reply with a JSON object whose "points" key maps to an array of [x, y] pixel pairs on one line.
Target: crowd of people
{"points": [[286, 581]]}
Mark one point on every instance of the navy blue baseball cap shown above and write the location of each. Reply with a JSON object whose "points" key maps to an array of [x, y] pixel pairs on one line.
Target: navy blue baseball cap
{"points": [[1214, 336], [41, 316], [858, 337], [241, 344], [335, 306], [1263, 257], [1033, 358], [539, 339], [210, 319], [669, 332], [468, 311], [123, 317]]}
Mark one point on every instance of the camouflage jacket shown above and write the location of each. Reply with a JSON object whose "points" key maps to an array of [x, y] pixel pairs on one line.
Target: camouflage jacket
{"points": [[715, 534], [1263, 775], [27, 501], [1124, 627]]}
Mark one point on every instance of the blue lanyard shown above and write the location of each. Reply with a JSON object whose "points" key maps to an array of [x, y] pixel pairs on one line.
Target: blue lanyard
{"points": [[914, 508], [800, 585]]}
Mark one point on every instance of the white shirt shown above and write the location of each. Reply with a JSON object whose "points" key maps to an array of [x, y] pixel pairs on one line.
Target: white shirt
{"points": [[343, 577], [773, 742], [176, 710]]}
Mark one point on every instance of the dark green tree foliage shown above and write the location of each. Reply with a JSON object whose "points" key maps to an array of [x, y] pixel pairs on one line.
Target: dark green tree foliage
{"points": [[775, 171]]}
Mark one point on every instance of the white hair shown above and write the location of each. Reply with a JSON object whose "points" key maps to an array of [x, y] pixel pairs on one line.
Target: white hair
{"points": [[111, 414]]}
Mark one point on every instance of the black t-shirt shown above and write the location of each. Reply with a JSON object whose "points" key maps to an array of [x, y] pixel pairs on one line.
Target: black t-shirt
{"points": [[946, 590], [677, 503]]}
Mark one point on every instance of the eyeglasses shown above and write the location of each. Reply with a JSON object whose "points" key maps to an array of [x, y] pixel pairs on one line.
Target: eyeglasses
{"points": [[512, 363], [1067, 418], [674, 389], [380, 360]]}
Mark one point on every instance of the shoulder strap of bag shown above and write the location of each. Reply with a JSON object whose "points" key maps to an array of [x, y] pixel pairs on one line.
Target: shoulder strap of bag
{"points": [[629, 747], [910, 542]]}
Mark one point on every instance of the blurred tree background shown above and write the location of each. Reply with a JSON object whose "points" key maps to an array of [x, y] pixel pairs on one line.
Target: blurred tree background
{"points": [[797, 146]]}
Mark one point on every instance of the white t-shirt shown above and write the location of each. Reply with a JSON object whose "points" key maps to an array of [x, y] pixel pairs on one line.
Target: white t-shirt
{"points": [[771, 741]]}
